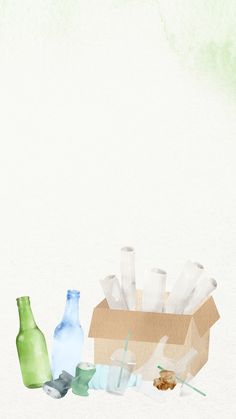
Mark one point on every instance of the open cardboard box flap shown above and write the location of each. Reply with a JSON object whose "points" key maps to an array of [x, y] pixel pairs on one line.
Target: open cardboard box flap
{"points": [[147, 326], [205, 316]]}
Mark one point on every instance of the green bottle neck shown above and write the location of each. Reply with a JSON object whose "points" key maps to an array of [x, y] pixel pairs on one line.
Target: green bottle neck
{"points": [[26, 316]]}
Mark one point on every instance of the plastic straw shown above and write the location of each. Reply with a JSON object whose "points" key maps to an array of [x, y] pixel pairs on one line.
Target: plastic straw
{"points": [[123, 358], [184, 383]]}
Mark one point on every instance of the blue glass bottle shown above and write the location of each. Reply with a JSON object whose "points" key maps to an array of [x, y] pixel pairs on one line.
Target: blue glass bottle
{"points": [[68, 338]]}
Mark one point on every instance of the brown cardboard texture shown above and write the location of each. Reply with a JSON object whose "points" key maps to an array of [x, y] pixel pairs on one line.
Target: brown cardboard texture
{"points": [[109, 329]]}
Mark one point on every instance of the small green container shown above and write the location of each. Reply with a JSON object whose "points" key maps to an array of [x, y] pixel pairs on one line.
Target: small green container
{"points": [[84, 373]]}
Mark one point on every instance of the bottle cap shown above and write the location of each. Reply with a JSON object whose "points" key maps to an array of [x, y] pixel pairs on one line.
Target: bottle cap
{"points": [[73, 294], [23, 300]]}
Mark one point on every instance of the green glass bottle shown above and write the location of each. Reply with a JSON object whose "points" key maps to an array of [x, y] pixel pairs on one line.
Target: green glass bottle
{"points": [[32, 348]]}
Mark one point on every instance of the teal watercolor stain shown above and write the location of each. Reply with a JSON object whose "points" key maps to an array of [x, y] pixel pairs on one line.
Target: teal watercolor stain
{"points": [[203, 33]]}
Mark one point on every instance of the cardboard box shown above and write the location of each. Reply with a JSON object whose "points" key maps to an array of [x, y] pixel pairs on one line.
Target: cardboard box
{"points": [[109, 328]]}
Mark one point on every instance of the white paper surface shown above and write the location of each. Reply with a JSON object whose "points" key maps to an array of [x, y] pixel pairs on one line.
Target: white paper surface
{"points": [[107, 139]]}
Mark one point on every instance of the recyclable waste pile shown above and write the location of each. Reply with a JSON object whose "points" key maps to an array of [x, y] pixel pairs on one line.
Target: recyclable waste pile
{"points": [[66, 370]]}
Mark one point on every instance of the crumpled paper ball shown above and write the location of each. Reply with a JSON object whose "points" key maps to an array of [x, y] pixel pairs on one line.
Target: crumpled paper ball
{"points": [[166, 381]]}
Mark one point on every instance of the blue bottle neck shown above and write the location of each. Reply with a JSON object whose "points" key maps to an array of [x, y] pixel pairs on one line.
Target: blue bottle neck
{"points": [[71, 313]]}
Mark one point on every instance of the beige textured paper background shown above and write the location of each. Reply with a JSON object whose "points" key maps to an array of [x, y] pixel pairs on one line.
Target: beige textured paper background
{"points": [[107, 140]]}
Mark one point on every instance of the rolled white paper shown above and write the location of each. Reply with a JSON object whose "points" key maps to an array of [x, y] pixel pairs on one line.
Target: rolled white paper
{"points": [[127, 271], [154, 290], [148, 369], [183, 362], [183, 287], [113, 293], [204, 287]]}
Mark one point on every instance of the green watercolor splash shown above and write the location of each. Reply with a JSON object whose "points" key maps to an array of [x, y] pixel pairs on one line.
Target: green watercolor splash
{"points": [[203, 32]]}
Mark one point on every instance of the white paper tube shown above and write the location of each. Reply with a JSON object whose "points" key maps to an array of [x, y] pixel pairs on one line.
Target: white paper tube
{"points": [[154, 290], [149, 369], [204, 287], [113, 293], [183, 362], [127, 271], [183, 287]]}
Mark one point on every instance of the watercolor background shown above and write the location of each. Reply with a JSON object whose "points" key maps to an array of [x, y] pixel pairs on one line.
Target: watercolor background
{"points": [[108, 137], [203, 33]]}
